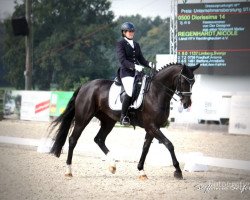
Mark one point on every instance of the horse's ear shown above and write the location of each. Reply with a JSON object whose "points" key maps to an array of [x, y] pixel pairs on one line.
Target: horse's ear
{"points": [[195, 67]]}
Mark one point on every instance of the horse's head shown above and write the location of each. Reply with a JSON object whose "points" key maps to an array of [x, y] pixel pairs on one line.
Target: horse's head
{"points": [[185, 81], [176, 79]]}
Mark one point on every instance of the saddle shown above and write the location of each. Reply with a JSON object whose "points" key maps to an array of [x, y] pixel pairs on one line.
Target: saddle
{"points": [[117, 92]]}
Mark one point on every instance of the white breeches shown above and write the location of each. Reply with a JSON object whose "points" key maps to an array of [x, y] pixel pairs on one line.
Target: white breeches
{"points": [[128, 83]]}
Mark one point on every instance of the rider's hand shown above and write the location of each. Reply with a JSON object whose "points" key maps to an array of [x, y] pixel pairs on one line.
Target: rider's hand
{"points": [[151, 64], [138, 68]]}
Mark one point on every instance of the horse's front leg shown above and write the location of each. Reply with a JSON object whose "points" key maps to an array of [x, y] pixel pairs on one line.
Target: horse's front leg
{"points": [[107, 125], [146, 146], [160, 136]]}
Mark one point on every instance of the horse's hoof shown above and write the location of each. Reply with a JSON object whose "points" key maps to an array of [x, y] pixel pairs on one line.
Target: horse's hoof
{"points": [[112, 169], [178, 175], [68, 175], [143, 177]]}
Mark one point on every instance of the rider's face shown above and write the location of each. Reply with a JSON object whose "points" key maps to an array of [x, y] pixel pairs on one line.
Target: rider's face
{"points": [[129, 34]]}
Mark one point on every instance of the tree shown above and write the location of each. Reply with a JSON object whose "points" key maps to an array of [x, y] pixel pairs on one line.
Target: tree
{"points": [[78, 35], [2, 71], [14, 53], [157, 39], [74, 41], [69, 41], [14, 59]]}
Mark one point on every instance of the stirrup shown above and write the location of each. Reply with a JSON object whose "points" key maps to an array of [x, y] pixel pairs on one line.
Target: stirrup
{"points": [[125, 121]]}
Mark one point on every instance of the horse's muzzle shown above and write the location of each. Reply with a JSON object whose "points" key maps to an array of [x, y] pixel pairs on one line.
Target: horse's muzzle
{"points": [[186, 103]]}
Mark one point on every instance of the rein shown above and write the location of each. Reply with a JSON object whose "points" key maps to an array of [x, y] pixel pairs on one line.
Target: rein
{"points": [[168, 90]]}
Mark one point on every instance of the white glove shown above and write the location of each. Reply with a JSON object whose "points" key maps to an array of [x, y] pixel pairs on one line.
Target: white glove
{"points": [[138, 68], [151, 64]]}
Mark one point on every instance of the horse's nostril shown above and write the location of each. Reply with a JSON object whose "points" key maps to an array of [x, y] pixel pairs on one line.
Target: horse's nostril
{"points": [[185, 105]]}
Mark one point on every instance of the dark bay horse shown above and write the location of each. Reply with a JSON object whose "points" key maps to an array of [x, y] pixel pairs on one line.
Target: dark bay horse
{"points": [[91, 100]]}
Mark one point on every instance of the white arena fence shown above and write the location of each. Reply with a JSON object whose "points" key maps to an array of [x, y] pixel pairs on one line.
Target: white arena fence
{"points": [[208, 106]]}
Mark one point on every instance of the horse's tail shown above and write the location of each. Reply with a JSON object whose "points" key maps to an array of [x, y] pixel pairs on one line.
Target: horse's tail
{"points": [[65, 120]]}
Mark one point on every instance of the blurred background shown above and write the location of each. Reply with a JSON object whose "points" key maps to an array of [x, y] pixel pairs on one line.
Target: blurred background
{"points": [[78, 38], [55, 46]]}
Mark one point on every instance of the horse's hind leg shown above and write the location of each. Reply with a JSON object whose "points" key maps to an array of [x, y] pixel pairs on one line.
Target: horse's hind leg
{"points": [[107, 125], [78, 128]]}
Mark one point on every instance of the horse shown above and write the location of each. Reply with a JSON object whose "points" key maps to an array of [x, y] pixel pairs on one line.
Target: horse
{"points": [[91, 100]]}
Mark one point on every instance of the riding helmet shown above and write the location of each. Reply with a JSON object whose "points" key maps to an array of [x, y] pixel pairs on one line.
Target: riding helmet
{"points": [[127, 26]]}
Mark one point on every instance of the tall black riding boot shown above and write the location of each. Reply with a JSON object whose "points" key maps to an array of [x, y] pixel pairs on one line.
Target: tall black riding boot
{"points": [[125, 105]]}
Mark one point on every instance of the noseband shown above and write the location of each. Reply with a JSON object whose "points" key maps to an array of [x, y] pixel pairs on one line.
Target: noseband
{"points": [[179, 91]]}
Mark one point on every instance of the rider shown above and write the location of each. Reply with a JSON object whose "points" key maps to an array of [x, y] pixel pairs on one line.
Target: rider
{"points": [[130, 58]]}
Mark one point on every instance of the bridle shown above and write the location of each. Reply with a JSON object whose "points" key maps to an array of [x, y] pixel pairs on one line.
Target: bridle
{"points": [[178, 91]]}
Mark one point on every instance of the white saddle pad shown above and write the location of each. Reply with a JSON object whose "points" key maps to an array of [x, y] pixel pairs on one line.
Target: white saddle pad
{"points": [[114, 96]]}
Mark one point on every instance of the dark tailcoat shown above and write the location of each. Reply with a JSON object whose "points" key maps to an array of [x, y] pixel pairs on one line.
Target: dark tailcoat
{"points": [[128, 57]]}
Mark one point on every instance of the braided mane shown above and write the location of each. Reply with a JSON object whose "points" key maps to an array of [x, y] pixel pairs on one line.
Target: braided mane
{"points": [[169, 65]]}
